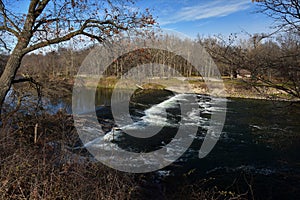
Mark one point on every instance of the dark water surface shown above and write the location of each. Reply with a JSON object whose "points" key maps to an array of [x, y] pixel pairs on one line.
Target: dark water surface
{"points": [[259, 145]]}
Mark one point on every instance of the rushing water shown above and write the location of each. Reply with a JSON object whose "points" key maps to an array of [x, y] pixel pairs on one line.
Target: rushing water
{"points": [[260, 139]]}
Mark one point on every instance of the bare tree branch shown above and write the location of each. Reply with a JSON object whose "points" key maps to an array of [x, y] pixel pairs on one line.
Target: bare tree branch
{"points": [[6, 20], [5, 28], [4, 45], [285, 12]]}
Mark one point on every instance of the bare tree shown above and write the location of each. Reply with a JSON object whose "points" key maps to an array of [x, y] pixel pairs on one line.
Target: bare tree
{"points": [[48, 22], [286, 13]]}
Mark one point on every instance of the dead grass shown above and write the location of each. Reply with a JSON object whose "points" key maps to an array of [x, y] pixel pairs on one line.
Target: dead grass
{"points": [[44, 170]]}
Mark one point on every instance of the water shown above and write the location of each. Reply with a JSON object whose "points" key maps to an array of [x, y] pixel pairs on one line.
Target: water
{"points": [[260, 141], [32, 104]]}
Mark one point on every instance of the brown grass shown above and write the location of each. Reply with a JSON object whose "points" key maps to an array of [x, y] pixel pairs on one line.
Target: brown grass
{"points": [[47, 170]]}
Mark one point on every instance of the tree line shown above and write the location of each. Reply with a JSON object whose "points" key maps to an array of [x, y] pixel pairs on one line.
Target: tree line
{"points": [[272, 61]]}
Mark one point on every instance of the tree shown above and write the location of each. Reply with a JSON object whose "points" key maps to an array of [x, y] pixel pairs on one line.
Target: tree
{"points": [[286, 13], [48, 22], [3, 61], [227, 55]]}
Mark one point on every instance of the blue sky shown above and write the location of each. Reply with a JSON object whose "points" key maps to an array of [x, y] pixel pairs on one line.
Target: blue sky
{"points": [[204, 17], [208, 17]]}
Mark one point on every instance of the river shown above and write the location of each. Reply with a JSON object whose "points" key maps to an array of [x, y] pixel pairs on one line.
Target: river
{"points": [[259, 144]]}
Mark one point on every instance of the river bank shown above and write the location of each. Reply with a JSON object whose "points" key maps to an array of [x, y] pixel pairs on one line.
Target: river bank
{"points": [[234, 88]]}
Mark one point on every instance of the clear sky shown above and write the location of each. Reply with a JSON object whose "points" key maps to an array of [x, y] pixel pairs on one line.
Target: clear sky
{"points": [[208, 17]]}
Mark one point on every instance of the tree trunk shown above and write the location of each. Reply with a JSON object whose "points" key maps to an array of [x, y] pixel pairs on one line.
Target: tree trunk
{"points": [[9, 74]]}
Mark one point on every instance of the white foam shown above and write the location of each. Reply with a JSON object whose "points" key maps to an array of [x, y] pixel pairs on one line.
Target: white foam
{"points": [[156, 116], [113, 135]]}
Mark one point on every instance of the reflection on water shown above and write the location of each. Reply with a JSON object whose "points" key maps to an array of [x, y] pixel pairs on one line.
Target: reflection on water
{"points": [[102, 98]]}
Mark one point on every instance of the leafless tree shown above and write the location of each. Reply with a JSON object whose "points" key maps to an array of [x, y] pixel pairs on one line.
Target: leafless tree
{"points": [[286, 13]]}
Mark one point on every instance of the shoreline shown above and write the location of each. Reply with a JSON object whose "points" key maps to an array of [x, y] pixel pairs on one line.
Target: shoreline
{"points": [[233, 89], [241, 95]]}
